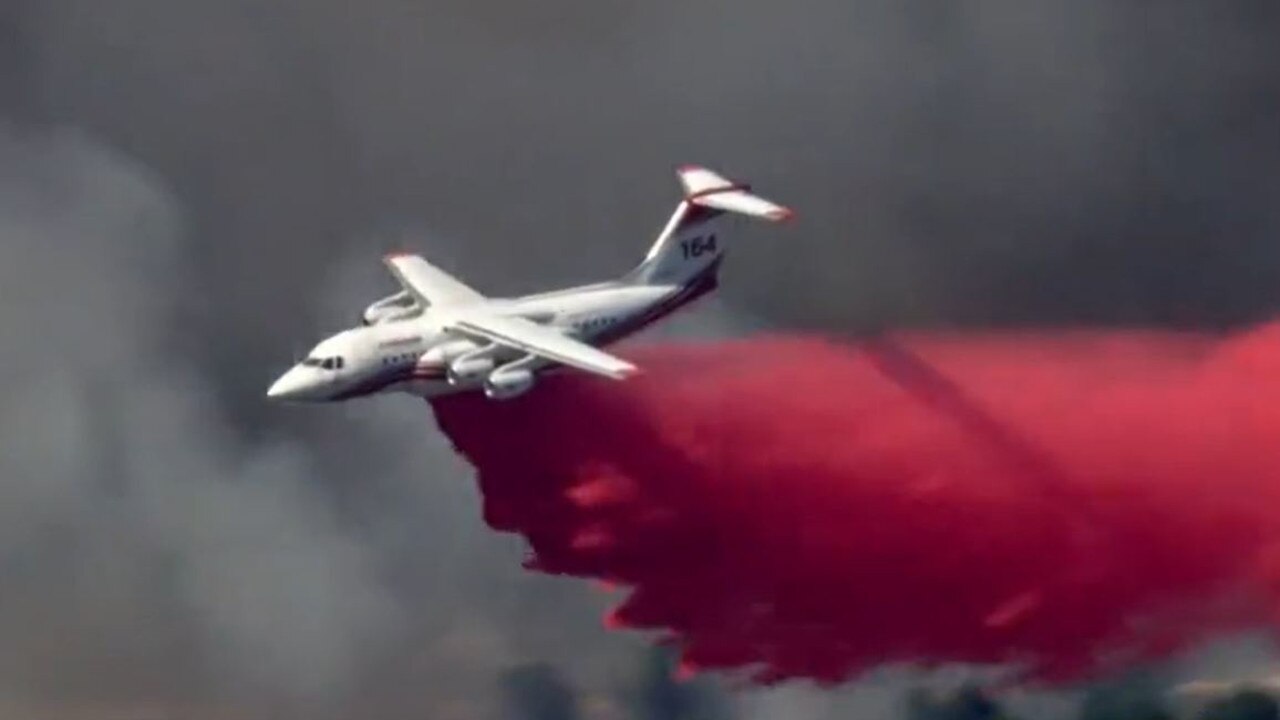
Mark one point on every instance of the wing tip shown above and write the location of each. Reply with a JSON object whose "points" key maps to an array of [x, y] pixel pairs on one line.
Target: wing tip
{"points": [[624, 371], [782, 214]]}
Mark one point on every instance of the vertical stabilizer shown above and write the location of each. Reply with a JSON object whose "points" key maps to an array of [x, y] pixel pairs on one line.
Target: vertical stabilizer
{"points": [[691, 244]]}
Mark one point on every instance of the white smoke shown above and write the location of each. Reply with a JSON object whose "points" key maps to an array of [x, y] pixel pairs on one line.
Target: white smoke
{"points": [[142, 551]]}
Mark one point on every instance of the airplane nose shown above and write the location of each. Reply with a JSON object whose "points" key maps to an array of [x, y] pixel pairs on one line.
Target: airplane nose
{"points": [[288, 387]]}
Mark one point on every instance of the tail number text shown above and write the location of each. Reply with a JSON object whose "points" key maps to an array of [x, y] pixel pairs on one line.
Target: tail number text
{"points": [[698, 246]]}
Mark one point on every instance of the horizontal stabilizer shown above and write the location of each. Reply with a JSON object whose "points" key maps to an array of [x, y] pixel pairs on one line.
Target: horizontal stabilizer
{"points": [[709, 189]]}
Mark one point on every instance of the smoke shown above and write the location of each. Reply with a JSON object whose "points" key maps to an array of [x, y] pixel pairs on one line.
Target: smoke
{"points": [[144, 553], [151, 557], [1004, 162], [786, 508]]}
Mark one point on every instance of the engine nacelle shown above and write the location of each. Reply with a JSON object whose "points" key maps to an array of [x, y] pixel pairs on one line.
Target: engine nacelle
{"points": [[468, 363], [469, 368], [395, 307], [506, 383]]}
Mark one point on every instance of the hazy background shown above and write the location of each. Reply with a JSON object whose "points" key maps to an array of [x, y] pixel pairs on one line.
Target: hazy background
{"points": [[192, 190]]}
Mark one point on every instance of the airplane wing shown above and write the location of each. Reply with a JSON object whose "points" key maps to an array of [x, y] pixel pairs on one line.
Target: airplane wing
{"points": [[428, 284], [542, 341]]}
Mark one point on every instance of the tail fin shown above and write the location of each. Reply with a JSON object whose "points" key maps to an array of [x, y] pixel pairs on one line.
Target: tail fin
{"points": [[689, 245]]}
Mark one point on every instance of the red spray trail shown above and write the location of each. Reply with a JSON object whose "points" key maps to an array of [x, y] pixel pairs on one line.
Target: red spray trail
{"points": [[1070, 503]]}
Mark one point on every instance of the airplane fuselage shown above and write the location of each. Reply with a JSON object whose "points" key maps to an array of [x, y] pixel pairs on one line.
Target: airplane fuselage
{"points": [[439, 336], [417, 355]]}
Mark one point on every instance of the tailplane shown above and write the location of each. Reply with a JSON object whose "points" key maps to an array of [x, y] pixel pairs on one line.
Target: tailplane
{"points": [[690, 245]]}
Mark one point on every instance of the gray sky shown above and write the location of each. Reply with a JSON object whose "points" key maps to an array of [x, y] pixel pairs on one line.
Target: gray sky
{"points": [[192, 190]]}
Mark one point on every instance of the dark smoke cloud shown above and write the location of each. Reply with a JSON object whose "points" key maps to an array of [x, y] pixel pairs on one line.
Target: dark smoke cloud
{"points": [[1004, 161], [1000, 162]]}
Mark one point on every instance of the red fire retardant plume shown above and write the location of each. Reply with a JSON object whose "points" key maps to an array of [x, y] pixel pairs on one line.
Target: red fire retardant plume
{"points": [[798, 507]]}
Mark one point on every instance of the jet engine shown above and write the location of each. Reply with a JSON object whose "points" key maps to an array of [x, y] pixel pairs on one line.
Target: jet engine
{"points": [[468, 363], [468, 368], [507, 382], [395, 307]]}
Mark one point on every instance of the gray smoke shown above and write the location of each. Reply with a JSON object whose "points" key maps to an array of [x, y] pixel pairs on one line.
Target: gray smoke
{"points": [[149, 556], [146, 553], [192, 191]]}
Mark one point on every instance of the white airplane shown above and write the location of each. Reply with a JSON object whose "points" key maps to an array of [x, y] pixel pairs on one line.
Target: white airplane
{"points": [[438, 336]]}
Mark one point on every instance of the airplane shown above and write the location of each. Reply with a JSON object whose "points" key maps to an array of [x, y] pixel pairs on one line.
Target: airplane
{"points": [[438, 336]]}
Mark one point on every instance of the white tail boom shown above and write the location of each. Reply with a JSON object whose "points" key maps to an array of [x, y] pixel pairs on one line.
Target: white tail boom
{"points": [[689, 245]]}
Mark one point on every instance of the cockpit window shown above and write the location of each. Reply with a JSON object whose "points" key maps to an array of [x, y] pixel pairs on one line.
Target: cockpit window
{"points": [[329, 363]]}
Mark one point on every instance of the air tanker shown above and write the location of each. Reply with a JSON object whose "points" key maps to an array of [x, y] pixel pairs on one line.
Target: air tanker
{"points": [[438, 336]]}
